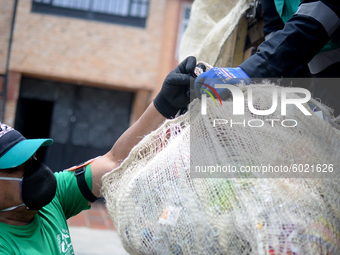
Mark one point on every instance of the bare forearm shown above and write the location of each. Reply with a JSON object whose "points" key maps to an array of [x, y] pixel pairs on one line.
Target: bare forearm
{"points": [[149, 121]]}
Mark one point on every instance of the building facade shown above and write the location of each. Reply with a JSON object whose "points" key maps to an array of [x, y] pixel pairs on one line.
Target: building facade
{"points": [[82, 71]]}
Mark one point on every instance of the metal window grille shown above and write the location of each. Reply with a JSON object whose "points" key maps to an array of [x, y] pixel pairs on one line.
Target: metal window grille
{"points": [[126, 12]]}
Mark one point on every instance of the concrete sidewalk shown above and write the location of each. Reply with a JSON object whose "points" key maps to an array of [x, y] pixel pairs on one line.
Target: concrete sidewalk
{"points": [[93, 233], [91, 241]]}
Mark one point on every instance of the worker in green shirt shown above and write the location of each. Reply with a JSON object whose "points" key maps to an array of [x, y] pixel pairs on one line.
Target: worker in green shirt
{"points": [[35, 202]]}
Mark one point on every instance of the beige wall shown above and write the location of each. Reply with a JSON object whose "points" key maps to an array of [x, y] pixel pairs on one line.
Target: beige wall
{"points": [[88, 51], [6, 11], [92, 53]]}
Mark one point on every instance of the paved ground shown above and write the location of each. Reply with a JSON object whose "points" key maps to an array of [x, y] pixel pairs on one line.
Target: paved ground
{"points": [[93, 233], [91, 241], [97, 217]]}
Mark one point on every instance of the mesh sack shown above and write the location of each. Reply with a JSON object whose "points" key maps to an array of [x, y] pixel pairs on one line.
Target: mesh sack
{"points": [[210, 26], [158, 208]]}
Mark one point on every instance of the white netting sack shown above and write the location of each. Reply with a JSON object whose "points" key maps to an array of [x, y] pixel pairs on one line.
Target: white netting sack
{"points": [[211, 24], [158, 208]]}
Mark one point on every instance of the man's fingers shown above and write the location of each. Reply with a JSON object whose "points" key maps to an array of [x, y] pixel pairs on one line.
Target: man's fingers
{"points": [[179, 79], [202, 66], [191, 65], [187, 66]]}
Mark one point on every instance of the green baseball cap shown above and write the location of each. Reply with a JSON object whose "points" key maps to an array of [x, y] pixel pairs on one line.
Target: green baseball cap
{"points": [[15, 149]]}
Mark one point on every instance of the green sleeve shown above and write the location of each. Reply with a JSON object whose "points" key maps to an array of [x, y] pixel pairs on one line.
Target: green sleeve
{"points": [[3, 251], [68, 193]]}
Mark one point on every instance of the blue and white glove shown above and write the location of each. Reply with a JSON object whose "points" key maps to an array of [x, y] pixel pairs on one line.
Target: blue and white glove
{"points": [[219, 75]]}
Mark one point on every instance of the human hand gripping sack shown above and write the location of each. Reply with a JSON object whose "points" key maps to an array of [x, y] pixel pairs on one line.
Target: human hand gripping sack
{"points": [[219, 75], [174, 94]]}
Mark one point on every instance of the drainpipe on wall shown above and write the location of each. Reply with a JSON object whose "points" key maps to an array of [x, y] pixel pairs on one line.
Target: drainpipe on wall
{"points": [[4, 91]]}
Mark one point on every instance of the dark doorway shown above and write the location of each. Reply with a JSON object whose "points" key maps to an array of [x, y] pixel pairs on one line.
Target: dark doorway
{"points": [[33, 120], [84, 122]]}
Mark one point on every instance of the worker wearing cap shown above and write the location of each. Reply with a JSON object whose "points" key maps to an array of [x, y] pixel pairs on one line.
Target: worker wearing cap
{"points": [[35, 202], [298, 32]]}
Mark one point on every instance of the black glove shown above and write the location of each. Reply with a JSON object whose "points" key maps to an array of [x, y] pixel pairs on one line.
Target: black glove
{"points": [[174, 94]]}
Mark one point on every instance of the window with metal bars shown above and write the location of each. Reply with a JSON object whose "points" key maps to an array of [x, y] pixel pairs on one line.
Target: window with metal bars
{"points": [[124, 12]]}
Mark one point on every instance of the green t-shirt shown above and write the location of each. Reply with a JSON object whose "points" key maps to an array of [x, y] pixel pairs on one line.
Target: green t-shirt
{"points": [[48, 233]]}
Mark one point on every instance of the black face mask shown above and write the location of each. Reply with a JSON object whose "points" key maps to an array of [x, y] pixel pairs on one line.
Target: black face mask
{"points": [[38, 186]]}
